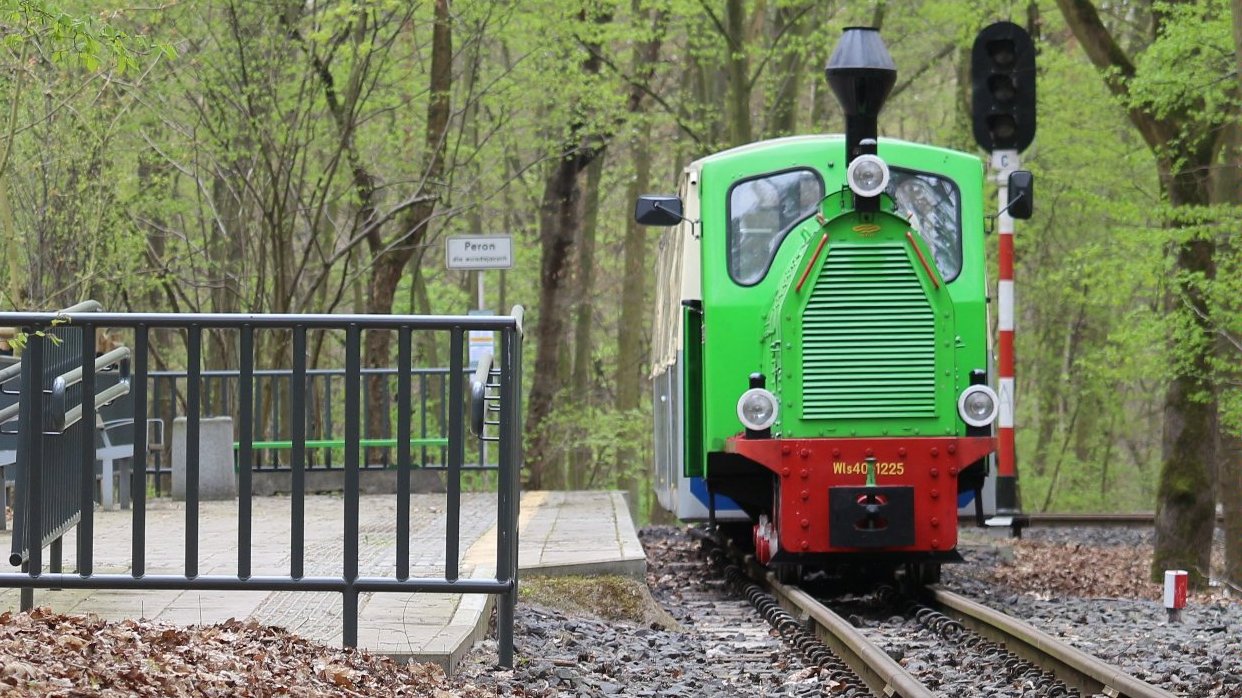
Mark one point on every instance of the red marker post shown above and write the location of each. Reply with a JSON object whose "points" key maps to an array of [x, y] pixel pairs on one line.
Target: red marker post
{"points": [[1175, 583], [1005, 162]]}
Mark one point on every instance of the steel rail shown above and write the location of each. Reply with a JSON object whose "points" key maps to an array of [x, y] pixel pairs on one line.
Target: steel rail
{"points": [[1051, 520], [1076, 668], [883, 675]]}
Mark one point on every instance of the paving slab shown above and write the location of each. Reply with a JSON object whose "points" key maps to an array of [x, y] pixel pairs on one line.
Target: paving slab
{"points": [[559, 533]]}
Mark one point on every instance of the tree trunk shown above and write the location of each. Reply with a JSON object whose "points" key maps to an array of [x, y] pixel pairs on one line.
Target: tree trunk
{"points": [[395, 237], [583, 355], [581, 464], [631, 362], [1185, 505], [1231, 506], [560, 214], [790, 72], [1231, 444], [631, 355], [1185, 498], [14, 250], [391, 256], [164, 406], [739, 73]]}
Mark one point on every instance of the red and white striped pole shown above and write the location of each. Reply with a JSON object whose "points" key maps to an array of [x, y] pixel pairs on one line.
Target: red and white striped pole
{"points": [[1004, 162]]}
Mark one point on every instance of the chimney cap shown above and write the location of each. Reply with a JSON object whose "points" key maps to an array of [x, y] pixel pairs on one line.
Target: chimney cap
{"points": [[861, 71]]}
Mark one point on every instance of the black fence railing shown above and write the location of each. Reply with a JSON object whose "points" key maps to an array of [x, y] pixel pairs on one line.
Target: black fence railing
{"points": [[323, 390], [62, 359], [51, 480]]}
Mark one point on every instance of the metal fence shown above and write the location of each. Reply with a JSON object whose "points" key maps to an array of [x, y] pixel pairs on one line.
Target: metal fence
{"points": [[219, 395], [41, 486]]}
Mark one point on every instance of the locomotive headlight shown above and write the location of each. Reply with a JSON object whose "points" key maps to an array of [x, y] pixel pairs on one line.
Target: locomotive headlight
{"points": [[867, 175], [978, 405], [757, 408]]}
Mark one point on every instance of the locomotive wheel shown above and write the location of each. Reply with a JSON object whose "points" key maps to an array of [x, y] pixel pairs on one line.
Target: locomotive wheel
{"points": [[917, 575], [788, 574]]}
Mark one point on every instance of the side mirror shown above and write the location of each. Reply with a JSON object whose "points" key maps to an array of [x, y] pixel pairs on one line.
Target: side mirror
{"points": [[1021, 194], [658, 209]]}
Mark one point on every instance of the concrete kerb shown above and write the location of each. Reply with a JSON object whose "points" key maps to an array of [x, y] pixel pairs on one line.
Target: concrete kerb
{"points": [[468, 625], [473, 614], [634, 569], [631, 549], [471, 619]]}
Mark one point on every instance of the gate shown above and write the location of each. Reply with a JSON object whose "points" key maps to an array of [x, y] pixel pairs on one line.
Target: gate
{"points": [[56, 453]]}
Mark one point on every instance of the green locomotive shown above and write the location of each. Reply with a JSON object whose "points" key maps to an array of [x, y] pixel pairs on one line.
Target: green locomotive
{"points": [[821, 344]]}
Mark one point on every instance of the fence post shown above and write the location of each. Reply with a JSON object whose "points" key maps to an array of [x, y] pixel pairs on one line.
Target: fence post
{"points": [[353, 380], [506, 553], [32, 424]]}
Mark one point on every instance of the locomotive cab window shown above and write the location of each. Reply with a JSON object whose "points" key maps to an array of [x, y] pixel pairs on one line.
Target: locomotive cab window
{"points": [[932, 205], [761, 212]]}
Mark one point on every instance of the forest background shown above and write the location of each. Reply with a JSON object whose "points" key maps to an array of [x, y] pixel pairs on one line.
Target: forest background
{"points": [[312, 155]]}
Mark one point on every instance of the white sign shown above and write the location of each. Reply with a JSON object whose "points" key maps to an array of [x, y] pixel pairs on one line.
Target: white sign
{"points": [[479, 252]]}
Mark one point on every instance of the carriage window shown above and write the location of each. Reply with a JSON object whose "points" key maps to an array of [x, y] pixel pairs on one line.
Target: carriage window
{"points": [[932, 205], [761, 212]]}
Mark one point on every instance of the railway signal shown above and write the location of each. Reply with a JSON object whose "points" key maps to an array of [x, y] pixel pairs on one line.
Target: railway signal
{"points": [[1002, 69], [1003, 109]]}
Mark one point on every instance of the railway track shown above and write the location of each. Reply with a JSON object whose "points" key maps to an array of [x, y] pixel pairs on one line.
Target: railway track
{"points": [[859, 641], [1055, 520], [1087, 674]]}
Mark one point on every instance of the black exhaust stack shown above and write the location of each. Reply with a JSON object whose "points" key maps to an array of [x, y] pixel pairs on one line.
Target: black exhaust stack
{"points": [[861, 73]]}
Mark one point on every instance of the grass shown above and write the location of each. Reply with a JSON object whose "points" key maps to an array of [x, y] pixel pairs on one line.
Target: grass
{"points": [[609, 597]]}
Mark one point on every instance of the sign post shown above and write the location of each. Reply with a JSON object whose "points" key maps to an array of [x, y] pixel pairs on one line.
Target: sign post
{"points": [[479, 253], [1004, 162]]}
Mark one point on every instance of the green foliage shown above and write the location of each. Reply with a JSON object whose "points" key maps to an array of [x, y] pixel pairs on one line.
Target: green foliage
{"points": [[1188, 69], [590, 441], [1225, 302], [188, 157], [74, 40], [1090, 276]]}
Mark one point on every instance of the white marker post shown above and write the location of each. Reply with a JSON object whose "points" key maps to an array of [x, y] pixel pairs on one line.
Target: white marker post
{"points": [[1175, 583]]}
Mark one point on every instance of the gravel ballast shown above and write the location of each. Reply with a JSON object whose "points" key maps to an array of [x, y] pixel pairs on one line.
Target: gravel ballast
{"points": [[708, 642], [682, 633], [1088, 586], [1085, 585]]}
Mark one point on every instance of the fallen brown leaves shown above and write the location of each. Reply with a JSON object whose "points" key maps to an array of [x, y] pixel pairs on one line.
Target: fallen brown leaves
{"points": [[49, 654], [1051, 570], [1067, 569]]}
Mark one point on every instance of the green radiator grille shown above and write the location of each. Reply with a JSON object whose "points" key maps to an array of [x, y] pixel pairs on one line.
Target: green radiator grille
{"points": [[868, 338]]}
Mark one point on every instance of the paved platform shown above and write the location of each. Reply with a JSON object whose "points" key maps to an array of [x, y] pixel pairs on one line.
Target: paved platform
{"points": [[559, 533]]}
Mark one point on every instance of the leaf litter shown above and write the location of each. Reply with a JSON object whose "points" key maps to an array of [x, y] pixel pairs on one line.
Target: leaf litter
{"points": [[43, 653], [1055, 569]]}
